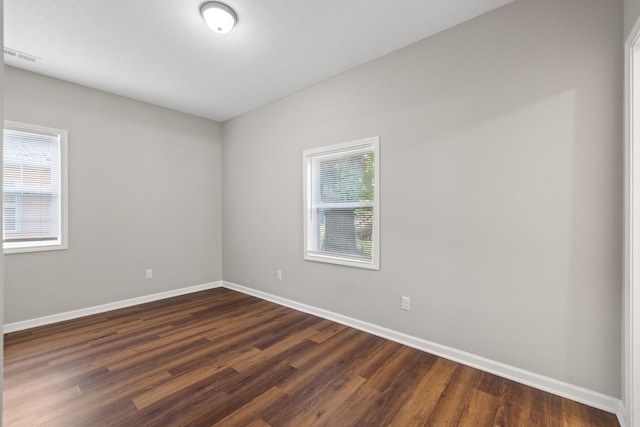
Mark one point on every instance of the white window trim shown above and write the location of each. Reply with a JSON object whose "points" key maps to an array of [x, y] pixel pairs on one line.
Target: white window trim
{"points": [[308, 211], [62, 243]]}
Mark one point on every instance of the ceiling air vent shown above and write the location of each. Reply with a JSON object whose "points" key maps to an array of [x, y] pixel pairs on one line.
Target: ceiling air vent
{"points": [[20, 55]]}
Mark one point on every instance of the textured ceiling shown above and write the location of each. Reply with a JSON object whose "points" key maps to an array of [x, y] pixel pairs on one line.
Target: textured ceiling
{"points": [[162, 52]]}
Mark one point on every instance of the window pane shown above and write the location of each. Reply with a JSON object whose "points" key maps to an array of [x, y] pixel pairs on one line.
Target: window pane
{"points": [[9, 206], [347, 231], [347, 179]]}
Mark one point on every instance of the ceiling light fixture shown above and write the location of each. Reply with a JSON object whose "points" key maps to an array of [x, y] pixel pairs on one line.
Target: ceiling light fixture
{"points": [[219, 17]]}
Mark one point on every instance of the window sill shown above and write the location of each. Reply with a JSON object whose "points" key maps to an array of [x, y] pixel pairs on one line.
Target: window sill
{"points": [[329, 259], [28, 249]]}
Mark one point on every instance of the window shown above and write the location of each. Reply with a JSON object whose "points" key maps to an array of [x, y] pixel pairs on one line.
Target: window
{"points": [[34, 188], [341, 204]]}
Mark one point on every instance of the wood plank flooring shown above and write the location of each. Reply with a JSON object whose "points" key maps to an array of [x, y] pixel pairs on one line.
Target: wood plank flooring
{"points": [[223, 358]]}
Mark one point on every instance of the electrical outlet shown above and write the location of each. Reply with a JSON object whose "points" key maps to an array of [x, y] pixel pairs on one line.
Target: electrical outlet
{"points": [[406, 303], [149, 273], [279, 274]]}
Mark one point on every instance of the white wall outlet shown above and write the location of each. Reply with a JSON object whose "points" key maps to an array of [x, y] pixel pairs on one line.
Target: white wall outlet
{"points": [[148, 273], [406, 303], [279, 274]]}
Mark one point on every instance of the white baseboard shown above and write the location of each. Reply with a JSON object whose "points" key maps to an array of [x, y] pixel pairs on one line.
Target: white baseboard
{"points": [[569, 391], [622, 415], [47, 320]]}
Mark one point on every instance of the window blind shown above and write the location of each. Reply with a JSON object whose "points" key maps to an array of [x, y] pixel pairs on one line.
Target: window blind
{"points": [[345, 204], [31, 187]]}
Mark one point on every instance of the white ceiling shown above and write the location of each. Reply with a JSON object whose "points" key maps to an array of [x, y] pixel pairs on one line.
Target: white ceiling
{"points": [[162, 52]]}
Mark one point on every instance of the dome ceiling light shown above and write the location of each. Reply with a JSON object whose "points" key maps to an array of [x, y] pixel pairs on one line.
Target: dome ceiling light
{"points": [[219, 17]]}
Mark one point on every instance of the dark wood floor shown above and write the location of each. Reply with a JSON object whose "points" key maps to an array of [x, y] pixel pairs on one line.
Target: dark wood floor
{"points": [[219, 357]]}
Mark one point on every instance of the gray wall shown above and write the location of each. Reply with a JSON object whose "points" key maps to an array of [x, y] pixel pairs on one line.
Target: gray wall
{"points": [[631, 14], [501, 151], [144, 192]]}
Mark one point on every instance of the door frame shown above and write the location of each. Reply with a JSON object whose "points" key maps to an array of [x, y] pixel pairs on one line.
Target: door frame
{"points": [[631, 298]]}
